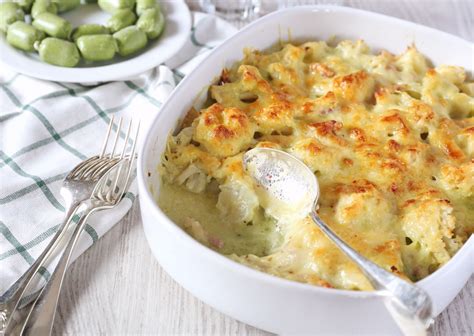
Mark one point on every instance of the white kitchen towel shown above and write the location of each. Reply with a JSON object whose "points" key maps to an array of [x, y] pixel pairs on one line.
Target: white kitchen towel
{"points": [[46, 128]]}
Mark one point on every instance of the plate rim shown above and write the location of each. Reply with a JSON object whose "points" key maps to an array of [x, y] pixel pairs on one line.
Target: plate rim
{"points": [[111, 72]]}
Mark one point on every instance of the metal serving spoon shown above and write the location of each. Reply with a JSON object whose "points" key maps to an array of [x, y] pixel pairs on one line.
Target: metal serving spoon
{"points": [[290, 186]]}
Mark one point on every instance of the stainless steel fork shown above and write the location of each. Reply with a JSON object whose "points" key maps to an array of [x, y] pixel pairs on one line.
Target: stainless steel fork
{"points": [[77, 187], [107, 194]]}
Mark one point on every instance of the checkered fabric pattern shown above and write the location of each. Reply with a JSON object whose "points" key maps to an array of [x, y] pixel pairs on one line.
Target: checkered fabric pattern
{"points": [[46, 128]]}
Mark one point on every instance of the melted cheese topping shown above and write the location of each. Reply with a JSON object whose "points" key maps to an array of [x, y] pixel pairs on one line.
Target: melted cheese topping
{"points": [[390, 138]]}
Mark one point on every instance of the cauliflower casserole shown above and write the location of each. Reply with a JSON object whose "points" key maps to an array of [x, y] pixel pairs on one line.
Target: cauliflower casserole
{"points": [[390, 139]]}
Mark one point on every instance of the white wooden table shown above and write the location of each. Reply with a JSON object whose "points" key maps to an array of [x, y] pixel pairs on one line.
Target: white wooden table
{"points": [[117, 287]]}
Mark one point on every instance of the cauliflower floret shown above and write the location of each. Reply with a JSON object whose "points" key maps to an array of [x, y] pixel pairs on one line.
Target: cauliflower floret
{"points": [[246, 91], [194, 179], [453, 74], [184, 137], [458, 179], [356, 87], [465, 140], [315, 51], [428, 225], [188, 165], [440, 90], [316, 156], [237, 201], [412, 65], [363, 207], [223, 131], [353, 50]]}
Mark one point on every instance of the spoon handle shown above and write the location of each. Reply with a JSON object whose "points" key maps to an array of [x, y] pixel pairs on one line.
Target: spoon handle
{"points": [[411, 307]]}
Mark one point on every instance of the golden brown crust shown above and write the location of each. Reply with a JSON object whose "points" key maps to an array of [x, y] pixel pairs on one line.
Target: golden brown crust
{"points": [[390, 138], [223, 131]]}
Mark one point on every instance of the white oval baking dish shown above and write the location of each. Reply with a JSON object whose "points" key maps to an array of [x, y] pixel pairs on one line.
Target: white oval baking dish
{"points": [[259, 299]]}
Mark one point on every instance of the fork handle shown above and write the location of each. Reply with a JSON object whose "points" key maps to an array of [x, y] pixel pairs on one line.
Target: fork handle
{"points": [[10, 300], [40, 319]]}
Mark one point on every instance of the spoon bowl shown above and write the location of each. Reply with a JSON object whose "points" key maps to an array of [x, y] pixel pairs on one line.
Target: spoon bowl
{"points": [[290, 188]]}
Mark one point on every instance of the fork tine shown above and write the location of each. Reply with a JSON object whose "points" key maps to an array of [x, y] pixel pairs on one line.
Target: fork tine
{"points": [[133, 156], [121, 172], [125, 145], [81, 166], [90, 164], [85, 167], [94, 167], [135, 141], [98, 172], [117, 136], [106, 140], [108, 171]]}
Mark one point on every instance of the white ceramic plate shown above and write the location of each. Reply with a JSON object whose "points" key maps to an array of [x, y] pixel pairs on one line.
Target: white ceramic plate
{"points": [[274, 304], [178, 26]]}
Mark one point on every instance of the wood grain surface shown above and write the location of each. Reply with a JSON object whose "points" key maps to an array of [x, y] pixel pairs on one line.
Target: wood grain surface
{"points": [[118, 288]]}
